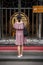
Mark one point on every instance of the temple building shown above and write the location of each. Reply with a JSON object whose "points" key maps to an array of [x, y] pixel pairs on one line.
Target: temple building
{"points": [[32, 17]]}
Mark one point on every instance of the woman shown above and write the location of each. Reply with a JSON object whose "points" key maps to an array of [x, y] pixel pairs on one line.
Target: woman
{"points": [[19, 26]]}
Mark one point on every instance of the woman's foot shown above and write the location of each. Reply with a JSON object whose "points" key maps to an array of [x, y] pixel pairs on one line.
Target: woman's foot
{"points": [[21, 55]]}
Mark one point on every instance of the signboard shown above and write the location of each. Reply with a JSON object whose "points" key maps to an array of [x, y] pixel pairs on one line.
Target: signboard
{"points": [[37, 9]]}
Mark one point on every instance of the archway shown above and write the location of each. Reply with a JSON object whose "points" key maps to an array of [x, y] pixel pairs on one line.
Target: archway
{"points": [[13, 19]]}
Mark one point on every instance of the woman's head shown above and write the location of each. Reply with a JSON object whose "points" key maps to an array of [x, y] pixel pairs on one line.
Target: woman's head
{"points": [[19, 18]]}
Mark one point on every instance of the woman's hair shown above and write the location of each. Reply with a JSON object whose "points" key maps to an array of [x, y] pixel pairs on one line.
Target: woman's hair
{"points": [[19, 17]]}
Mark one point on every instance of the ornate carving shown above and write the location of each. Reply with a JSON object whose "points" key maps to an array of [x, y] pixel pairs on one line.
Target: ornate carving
{"points": [[24, 19]]}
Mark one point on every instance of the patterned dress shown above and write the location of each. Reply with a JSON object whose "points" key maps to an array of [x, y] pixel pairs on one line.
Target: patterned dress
{"points": [[19, 33]]}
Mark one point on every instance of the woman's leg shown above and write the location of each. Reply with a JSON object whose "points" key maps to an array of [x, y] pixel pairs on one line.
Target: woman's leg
{"points": [[19, 50]]}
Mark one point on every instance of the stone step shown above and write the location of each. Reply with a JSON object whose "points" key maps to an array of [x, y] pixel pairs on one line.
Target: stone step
{"points": [[27, 56], [26, 53], [24, 58], [21, 63], [24, 48]]}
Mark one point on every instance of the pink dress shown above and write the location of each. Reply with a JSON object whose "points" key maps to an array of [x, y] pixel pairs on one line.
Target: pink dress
{"points": [[19, 33]]}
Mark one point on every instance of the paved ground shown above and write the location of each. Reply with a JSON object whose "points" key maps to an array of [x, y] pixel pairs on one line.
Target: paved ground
{"points": [[20, 63]]}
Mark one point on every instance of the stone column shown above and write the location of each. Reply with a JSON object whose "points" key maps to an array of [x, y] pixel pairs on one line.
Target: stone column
{"points": [[19, 6], [40, 22], [0, 17], [40, 19]]}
